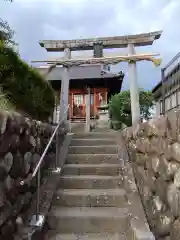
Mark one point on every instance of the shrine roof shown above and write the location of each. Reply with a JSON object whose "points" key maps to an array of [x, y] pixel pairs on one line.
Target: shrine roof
{"points": [[80, 72]]}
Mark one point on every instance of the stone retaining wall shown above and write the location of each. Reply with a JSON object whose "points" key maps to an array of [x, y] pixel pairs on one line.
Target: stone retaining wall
{"points": [[154, 148], [21, 144]]}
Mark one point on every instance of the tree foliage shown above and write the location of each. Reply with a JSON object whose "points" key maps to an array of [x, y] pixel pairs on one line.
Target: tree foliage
{"points": [[21, 87], [24, 86], [120, 107], [6, 33]]}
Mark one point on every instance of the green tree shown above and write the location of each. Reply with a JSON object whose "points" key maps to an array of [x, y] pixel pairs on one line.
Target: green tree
{"points": [[6, 33], [25, 88], [22, 88], [120, 107]]}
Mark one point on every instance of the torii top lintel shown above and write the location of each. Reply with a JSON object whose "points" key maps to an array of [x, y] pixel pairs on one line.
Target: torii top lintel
{"points": [[138, 40]]}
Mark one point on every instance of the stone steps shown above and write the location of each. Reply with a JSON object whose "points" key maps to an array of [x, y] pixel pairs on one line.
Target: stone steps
{"points": [[90, 197], [95, 149], [90, 202], [88, 219], [92, 158], [96, 135], [90, 181], [91, 169], [89, 236], [92, 142]]}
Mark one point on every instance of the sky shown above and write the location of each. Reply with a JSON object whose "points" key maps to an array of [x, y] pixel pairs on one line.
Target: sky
{"points": [[35, 20]]}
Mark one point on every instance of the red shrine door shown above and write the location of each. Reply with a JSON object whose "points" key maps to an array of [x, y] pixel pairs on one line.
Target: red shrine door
{"points": [[78, 106], [77, 100]]}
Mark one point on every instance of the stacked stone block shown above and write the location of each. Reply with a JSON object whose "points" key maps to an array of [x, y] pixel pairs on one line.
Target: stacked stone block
{"points": [[154, 148], [22, 142]]}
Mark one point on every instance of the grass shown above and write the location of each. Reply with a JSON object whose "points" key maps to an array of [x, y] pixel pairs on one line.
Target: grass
{"points": [[5, 103]]}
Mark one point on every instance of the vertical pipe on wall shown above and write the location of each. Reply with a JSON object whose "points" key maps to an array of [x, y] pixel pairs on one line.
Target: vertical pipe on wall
{"points": [[163, 90]]}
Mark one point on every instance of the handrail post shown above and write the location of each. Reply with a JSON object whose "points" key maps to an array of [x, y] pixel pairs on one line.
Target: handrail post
{"points": [[70, 125], [57, 149], [38, 193], [37, 219]]}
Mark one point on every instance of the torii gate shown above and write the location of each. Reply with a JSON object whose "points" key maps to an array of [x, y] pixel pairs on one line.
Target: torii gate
{"points": [[98, 44]]}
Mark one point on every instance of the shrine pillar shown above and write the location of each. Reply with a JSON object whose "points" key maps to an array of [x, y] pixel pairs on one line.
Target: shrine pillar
{"points": [[134, 89], [65, 79], [88, 109]]}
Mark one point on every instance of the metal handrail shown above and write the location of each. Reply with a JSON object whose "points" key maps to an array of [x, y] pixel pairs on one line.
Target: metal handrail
{"points": [[49, 143], [47, 147], [37, 219]]}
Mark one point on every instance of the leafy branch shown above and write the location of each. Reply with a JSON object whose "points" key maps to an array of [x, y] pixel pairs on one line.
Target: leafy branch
{"points": [[120, 107]]}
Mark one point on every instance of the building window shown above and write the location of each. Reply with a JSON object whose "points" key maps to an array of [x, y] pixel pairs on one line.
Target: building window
{"points": [[167, 103], [178, 97], [102, 99], [92, 99], [78, 99], [161, 110], [174, 100]]}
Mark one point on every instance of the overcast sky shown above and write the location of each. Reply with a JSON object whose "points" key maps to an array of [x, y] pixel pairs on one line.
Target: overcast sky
{"points": [[35, 20]]}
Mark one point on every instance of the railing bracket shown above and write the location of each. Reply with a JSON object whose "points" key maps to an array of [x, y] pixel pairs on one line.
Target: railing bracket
{"points": [[56, 170], [52, 171], [37, 221]]}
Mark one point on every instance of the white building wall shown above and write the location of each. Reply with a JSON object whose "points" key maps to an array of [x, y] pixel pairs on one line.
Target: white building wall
{"points": [[158, 109], [172, 85], [172, 100]]}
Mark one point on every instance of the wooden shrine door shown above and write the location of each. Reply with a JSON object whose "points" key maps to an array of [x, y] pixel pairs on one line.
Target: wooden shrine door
{"points": [[78, 106]]}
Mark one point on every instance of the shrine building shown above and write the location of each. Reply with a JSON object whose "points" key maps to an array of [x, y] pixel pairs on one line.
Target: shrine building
{"points": [[93, 79], [98, 77]]}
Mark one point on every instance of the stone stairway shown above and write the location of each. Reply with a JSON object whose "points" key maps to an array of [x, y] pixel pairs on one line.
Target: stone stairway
{"points": [[90, 202]]}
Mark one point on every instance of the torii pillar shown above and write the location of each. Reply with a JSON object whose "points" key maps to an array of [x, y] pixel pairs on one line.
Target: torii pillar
{"points": [[64, 99], [134, 90]]}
